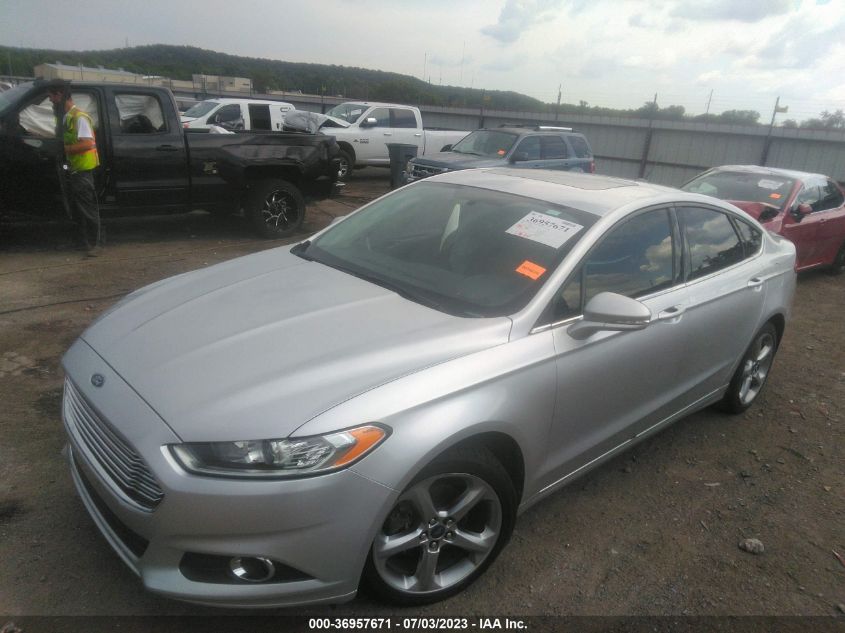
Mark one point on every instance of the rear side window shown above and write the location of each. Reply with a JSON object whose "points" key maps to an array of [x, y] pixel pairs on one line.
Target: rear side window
{"points": [[554, 147], [259, 116], [139, 113], [580, 147], [712, 241], [403, 118]]}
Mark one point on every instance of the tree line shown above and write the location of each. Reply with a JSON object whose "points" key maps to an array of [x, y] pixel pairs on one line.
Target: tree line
{"points": [[181, 62]]}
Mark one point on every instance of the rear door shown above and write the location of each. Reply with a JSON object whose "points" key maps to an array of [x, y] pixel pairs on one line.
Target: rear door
{"points": [[803, 231], [404, 128], [259, 117], [149, 165], [726, 288], [830, 235]]}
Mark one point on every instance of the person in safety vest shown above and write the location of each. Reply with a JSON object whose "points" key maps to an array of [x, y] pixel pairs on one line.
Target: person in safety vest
{"points": [[82, 158]]}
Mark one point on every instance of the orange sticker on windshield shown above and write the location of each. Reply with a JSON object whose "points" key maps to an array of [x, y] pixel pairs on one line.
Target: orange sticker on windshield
{"points": [[501, 152], [530, 269], [774, 196]]}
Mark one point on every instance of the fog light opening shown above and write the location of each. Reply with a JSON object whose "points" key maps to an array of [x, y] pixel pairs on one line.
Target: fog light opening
{"points": [[252, 568]]}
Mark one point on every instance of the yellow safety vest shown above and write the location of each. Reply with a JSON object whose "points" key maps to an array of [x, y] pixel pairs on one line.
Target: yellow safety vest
{"points": [[86, 161]]}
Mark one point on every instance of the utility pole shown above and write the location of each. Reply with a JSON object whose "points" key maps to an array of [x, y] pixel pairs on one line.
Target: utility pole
{"points": [[767, 144], [649, 133], [425, 64], [557, 108], [463, 53], [709, 99]]}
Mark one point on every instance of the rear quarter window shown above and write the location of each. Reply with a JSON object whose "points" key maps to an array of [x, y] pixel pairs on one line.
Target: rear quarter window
{"points": [[580, 147]]}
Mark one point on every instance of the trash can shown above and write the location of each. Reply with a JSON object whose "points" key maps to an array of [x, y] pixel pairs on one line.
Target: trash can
{"points": [[400, 154]]}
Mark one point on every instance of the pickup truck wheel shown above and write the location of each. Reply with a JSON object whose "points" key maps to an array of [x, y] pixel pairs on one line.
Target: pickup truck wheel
{"points": [[346, 163], [275, 208]]}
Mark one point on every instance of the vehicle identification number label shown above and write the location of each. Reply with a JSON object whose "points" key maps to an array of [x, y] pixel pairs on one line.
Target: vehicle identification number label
{"points": [[545, 229]]}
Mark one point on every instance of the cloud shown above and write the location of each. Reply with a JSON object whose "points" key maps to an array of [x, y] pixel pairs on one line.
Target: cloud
{"points": [[518, 16], [800, 44], [719, 10]]}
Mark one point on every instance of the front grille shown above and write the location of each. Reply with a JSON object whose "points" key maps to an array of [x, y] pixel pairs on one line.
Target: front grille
{"points": [[424, 171], [117, 458]]}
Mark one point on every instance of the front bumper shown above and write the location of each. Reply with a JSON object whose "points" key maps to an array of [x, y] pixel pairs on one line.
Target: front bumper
{"points": [[318, 529]]}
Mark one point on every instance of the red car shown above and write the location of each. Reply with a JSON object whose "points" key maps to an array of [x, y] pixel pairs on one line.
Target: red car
{"points": [[808, 209]]}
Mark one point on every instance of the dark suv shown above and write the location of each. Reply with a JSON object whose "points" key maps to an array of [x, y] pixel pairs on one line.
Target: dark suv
{"points": [[531, 148]]}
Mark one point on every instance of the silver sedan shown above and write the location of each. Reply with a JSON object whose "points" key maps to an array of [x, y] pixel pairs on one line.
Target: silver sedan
{"points": [[380, 402]]}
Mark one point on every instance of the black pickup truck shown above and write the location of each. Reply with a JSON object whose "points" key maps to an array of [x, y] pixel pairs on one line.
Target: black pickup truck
{"points": [[150, 164]]}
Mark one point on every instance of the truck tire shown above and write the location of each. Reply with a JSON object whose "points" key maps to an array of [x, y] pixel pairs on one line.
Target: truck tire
{"points": [[346, 164], [275, 208]]}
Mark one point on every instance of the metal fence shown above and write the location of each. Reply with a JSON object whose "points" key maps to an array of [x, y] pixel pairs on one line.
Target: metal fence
{"points": [[665, 152]]}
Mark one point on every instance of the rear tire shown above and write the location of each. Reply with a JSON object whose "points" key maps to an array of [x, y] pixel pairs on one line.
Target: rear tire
{"points": [[444, 531], [275, 208], [750, 377]]}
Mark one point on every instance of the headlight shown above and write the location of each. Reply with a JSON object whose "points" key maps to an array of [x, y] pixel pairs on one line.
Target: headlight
{"points": [[280, 458]]}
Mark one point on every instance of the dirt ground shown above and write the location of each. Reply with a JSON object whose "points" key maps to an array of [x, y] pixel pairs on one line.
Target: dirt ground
{"points": [[654, 532]]}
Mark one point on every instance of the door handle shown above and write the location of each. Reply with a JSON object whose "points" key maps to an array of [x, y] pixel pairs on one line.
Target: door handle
{"points": [[755, 283], [388, 133], [672, 315], [417, 134], [167, 148]]}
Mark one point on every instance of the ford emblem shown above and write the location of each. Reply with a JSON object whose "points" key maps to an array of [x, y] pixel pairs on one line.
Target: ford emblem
{"points": [[97, 380]]}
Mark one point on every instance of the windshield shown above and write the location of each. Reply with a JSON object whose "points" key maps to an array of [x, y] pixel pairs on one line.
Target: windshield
{"points": [[349, 112], [743, 187], [201, 109], [486, 143], [461, 250], [12, 96]]}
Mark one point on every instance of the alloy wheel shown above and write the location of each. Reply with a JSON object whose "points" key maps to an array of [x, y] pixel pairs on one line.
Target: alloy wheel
{"points": [[756, 367]]}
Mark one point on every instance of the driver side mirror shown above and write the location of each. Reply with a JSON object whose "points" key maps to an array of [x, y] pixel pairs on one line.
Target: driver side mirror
{"points": [[798, 212], [610, 312], [369, 122], [518, 157]]}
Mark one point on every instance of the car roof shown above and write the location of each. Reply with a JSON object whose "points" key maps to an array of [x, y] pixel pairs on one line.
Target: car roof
{"points": [[531, 130], [595, 194], [243, 100], [769, 171]]}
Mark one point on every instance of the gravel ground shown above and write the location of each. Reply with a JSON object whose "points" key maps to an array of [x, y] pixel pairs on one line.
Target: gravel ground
{"points": [[654, 532]]}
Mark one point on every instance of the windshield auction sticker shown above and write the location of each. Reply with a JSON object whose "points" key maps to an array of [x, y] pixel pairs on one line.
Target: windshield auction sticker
{"points": [[545, 229]]}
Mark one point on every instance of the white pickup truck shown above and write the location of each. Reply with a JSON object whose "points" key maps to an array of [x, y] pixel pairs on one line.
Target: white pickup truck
{"points": [[364, 128]]}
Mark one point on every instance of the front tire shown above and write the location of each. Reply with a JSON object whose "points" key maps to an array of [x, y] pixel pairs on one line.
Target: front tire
{"points": [[750, 377], [445, 529], [346, 164], [275, 208]]}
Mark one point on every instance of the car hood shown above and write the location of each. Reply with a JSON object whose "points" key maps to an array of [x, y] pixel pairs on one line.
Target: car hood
{"points": [[455, 160], [755, 209], [255, 347]]}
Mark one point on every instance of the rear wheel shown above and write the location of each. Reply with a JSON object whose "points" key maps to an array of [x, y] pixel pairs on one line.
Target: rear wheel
{"points": [[275, 208], [445, 529], [750, 377]]}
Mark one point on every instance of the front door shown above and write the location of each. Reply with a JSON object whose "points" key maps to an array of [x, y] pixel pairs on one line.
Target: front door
{"points": [[149, 159], [614, 385]]}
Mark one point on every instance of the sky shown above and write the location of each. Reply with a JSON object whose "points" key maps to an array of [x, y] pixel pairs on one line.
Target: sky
{"points": [[612, 53]]}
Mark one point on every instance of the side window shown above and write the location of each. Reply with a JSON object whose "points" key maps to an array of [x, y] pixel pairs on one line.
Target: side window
{"points": [[229, 117], [554, 147], [580, 146], [712, 240], [37, 118], [400, 117], [635, 259], [809, 194], [139, 114], [831, 196], [752, 239], [259, 116], [530, 146], [382, 117]]}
